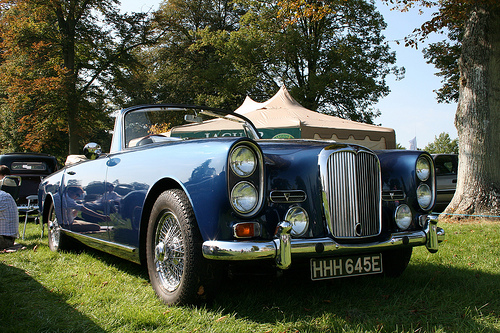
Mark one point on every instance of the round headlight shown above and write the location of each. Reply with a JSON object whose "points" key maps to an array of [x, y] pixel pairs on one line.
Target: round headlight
{"points": [[423, 168], [244, 197], [424, 196], [403, 217], [243, 161], [299, 219]]}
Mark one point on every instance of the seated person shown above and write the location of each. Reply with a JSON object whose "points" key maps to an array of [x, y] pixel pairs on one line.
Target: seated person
{"points": [[9, 217]]}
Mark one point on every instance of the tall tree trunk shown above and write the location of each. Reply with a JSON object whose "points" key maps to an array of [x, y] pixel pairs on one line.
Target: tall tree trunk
{"points": [[67, 27], [478, 117]]}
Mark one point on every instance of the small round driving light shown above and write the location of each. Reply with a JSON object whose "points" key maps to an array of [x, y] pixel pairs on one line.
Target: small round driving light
{"points": [[299, 219], [403, 217], [244, 197], [243, 161], [423, 168], [424, 196]]}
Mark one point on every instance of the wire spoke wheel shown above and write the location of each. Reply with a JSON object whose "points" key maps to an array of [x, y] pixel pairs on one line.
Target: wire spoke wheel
{"points": [[169, 251], [176, 267], [54, 229]]}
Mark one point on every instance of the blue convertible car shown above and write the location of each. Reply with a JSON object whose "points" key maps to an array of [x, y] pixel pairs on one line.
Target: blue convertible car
{"points": [[190, 191]]}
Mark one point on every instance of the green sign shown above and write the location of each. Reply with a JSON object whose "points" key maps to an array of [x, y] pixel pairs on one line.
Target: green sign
{"points": [[265, 133]]}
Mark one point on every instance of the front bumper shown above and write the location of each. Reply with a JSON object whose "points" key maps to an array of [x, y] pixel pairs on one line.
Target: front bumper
{"points": [[283, 246]]}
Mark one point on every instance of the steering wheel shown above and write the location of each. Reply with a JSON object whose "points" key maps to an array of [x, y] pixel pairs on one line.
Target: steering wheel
{"points": [[147, 139]]}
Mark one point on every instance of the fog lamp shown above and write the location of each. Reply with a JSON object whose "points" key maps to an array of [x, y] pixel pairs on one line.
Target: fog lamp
{"points": [[299, 219], [403, 217]]}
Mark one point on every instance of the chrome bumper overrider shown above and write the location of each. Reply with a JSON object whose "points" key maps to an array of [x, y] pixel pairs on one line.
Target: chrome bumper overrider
{"points": [[283, 246]]}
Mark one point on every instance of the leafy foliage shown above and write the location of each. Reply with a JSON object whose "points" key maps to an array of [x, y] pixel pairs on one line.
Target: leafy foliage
{"points": [[31, 80], [331, 56], [59, 60], [444, 56], [442, 145]]}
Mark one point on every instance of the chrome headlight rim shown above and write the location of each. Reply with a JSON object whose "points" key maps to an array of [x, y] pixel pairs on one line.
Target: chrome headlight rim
{"points": [[424, 196], [403, 216], [237, 204], [243, 161], [298, 217], [423, 168]]}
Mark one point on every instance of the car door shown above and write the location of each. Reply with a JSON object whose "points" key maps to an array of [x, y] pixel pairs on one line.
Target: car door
{"points": [[83, 199], [446, 176], [126, 191]]}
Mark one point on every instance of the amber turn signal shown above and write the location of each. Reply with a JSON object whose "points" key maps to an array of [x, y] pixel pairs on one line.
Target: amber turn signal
{"points": [[246, 229]]}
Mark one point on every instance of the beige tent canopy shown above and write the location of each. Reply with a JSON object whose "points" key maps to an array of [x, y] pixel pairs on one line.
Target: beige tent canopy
{"points": [[282, 117]]}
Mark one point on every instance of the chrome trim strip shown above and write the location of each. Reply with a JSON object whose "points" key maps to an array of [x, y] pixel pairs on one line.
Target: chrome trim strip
{"points": [[396, 195], [291, 196], [120, 250]]}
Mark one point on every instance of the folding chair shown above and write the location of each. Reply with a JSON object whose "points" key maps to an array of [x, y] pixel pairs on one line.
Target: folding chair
{"points": [[31, 207]]}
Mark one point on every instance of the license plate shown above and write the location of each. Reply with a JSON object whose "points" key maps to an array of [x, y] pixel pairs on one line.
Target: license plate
{"points": [[330, 268]]}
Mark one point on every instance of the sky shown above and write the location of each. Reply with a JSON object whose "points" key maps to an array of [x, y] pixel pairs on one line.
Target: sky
{"points": [[410, 108]]}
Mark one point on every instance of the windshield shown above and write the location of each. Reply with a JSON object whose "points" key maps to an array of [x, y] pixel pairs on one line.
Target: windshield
{"points": [[158, 124]]}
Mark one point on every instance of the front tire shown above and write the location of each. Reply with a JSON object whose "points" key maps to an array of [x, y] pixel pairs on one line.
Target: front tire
{"points": [[176, 266]]}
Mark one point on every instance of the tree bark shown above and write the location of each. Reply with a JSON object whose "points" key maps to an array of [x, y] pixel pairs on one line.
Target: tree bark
{"points": [[67, 23], [478, 118]]}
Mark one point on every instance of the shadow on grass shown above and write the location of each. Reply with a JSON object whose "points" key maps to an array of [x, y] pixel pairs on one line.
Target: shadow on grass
{"points": [[426, 297], [32, 308]]}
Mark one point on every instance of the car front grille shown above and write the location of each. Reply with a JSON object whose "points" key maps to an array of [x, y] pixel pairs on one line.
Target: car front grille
{"points": [[351, 192]]}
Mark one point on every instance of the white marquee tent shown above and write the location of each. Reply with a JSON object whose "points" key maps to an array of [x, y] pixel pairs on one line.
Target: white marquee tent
{"points": [[283, 117]]}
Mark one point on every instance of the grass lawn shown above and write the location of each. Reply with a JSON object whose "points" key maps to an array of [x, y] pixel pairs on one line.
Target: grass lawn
{"points": [[455, 290]]}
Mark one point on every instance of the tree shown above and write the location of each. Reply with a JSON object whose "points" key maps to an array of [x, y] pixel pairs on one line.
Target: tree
{"points": [[186, 66], [478, 112], [31, 79], [332, 59], [442, 145], [444, 55], [333, 56], [75, 45]]}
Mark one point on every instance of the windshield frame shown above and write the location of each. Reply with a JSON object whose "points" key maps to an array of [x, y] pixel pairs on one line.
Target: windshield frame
{"points": [[119, 139]]}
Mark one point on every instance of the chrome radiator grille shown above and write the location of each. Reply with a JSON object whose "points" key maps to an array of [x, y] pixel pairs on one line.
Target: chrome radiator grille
{"points": [[352, 193]]}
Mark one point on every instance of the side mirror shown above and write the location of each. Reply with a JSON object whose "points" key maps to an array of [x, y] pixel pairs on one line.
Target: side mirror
{"points": [[92, 151]]}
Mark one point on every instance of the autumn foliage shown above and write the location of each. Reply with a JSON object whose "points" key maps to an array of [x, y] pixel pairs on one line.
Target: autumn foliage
{"points": [[31, 81]]}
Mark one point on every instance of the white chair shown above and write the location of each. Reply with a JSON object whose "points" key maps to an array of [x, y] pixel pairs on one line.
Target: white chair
{"points": [[31, 207]]}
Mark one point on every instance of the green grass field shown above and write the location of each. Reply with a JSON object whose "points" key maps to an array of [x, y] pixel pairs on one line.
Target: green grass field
{"points": [[454, 290]]}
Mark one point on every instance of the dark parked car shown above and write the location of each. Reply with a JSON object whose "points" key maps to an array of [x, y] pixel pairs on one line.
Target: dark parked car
{"points": [[31, 167], [192, 191], [446, 179]]}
